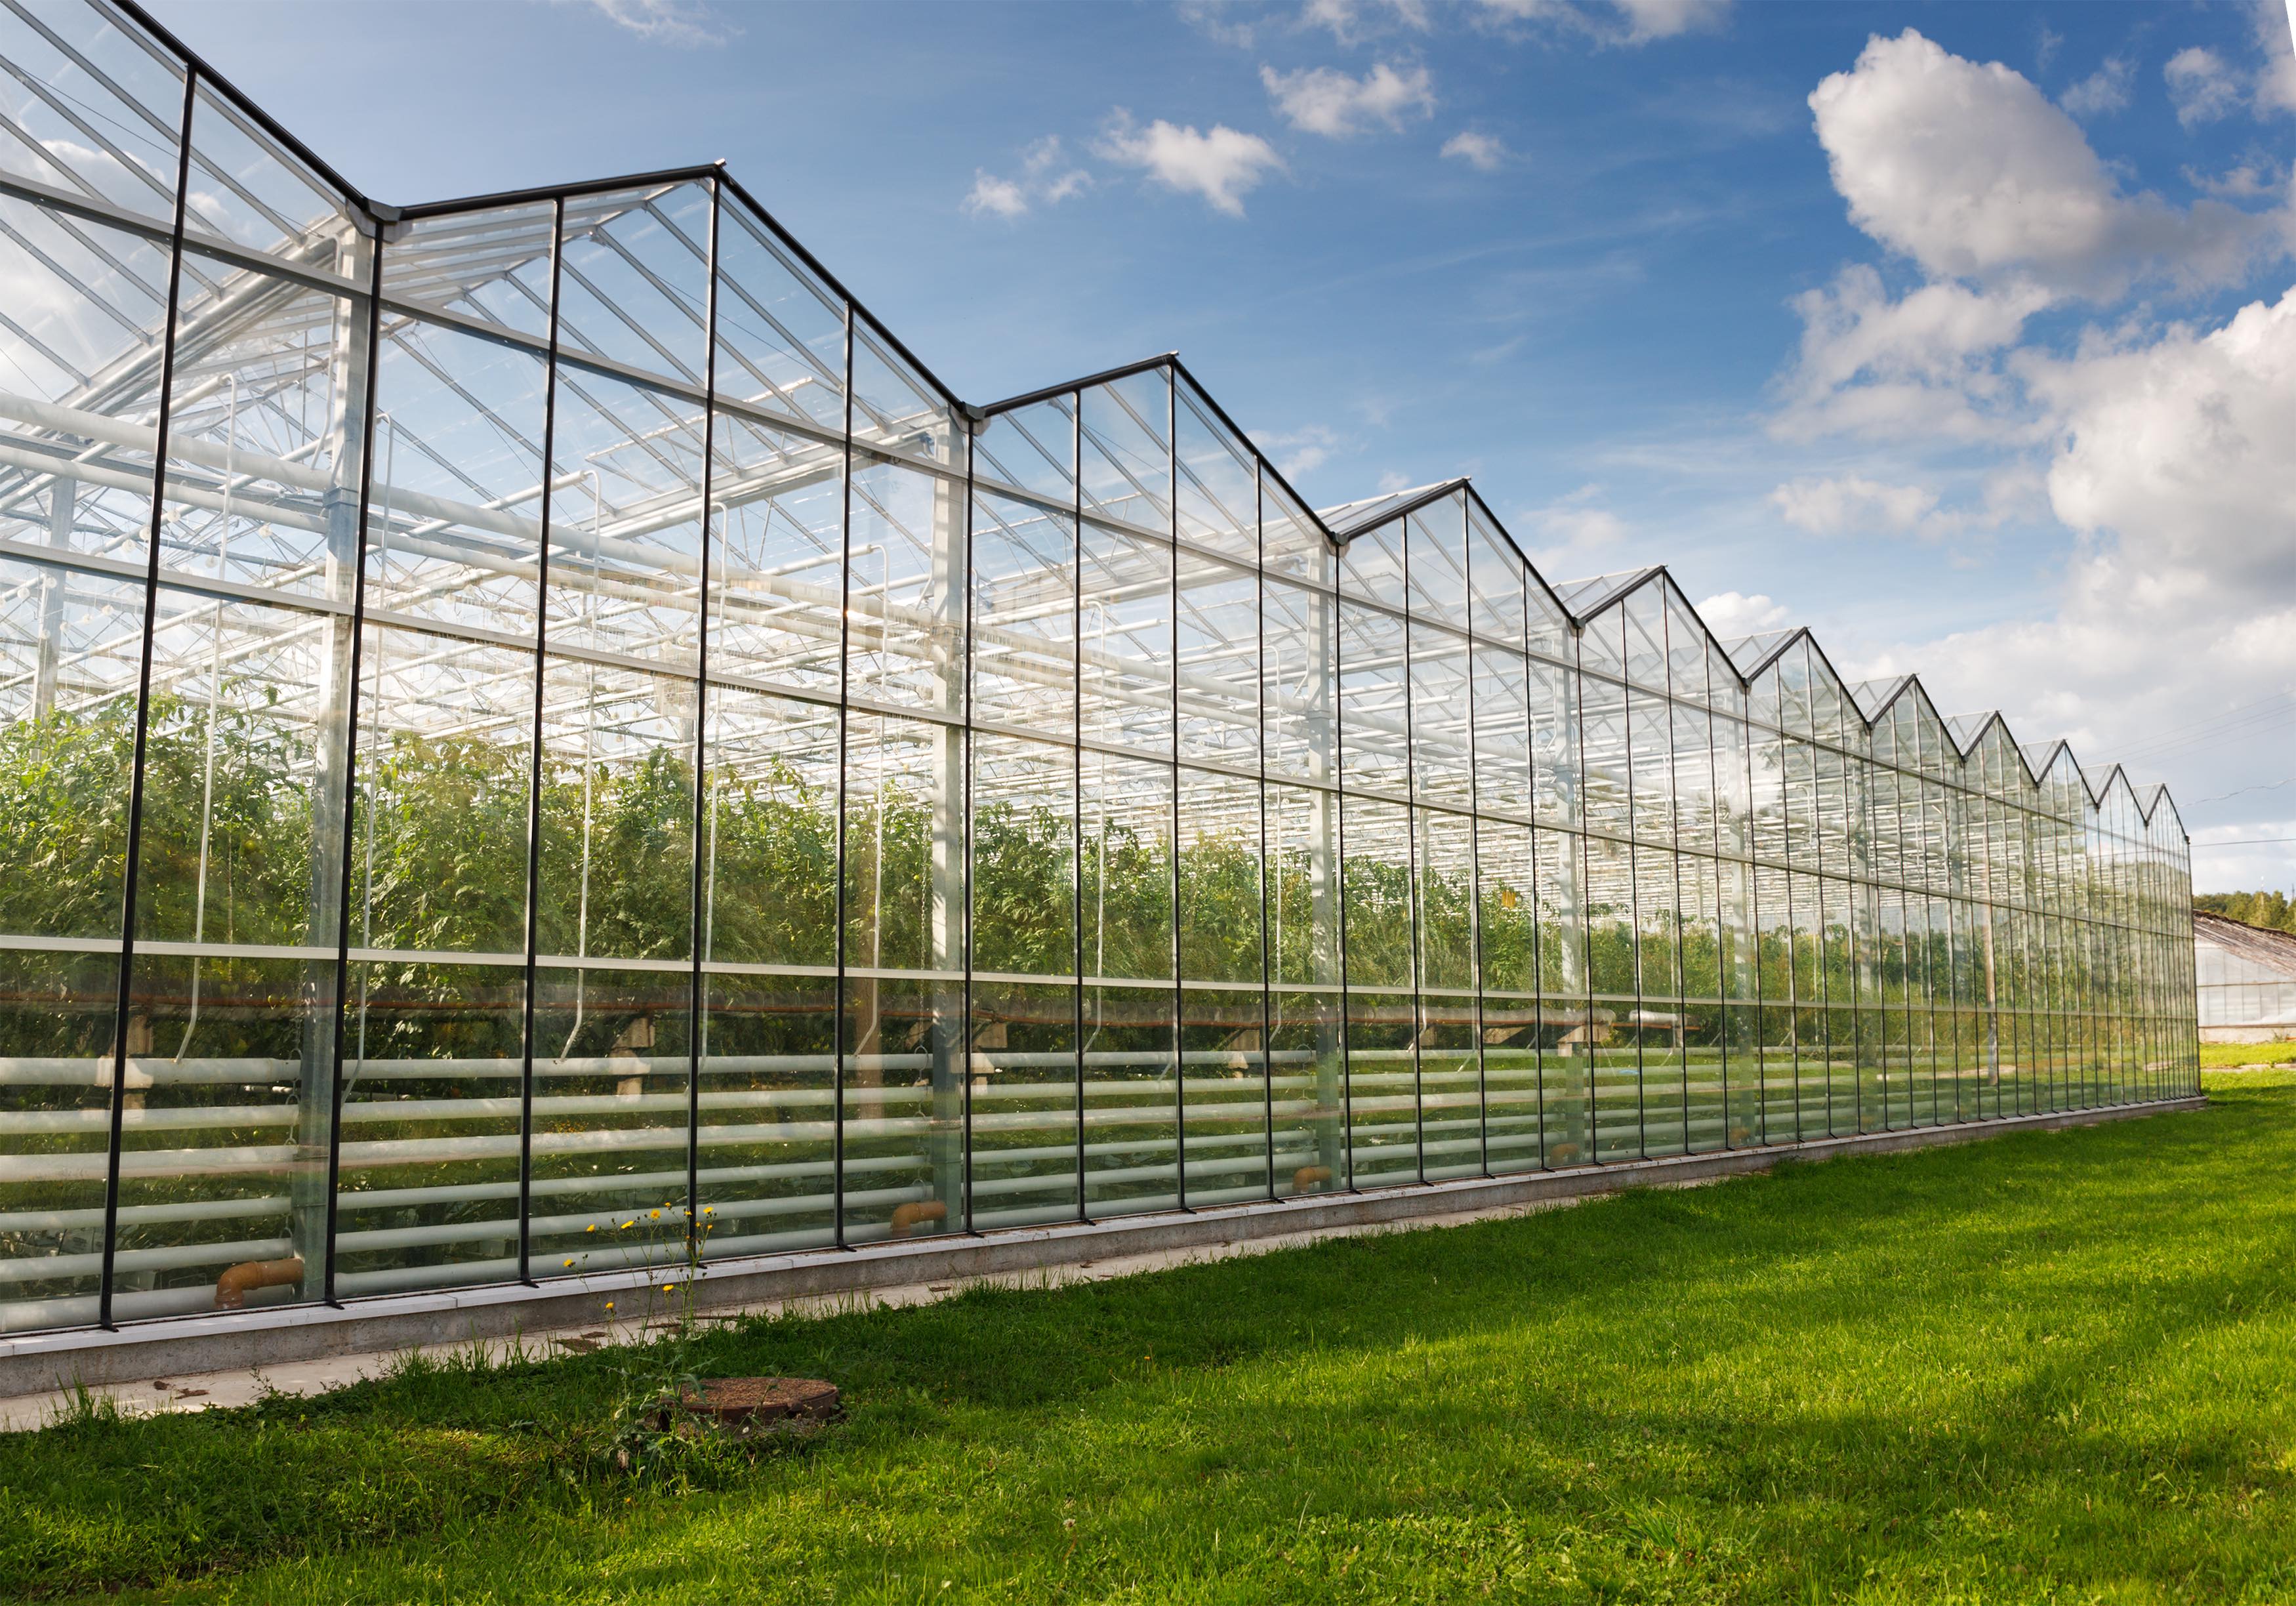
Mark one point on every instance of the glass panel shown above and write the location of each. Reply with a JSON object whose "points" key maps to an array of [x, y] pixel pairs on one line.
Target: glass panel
{"points": [[434, 1025], [633, 280], [1126, 450], [1383, 1027], [1370, 566], [1374, 700], [1027, 1135], [105, 125], [1024, 885], [1024, 616], [492, 265], [1503, 775], [894, 409], [781, 335], [767, 1173], [1220, 877], [902, 1108], [76, 452], [1442, 732], [1219, 663], [777, 516], [1126, 651], [1300, 681], [1125, 869], [1131, 1101], [248, 190], [263, 470], [625, 522], [244, 813], [1495, 582], [454, 519], [1218, 504], [1031, 449], [905, 588], [1309, 1140], [1291, 543], [1225, 1096], [1438, 557], [1450, 1019], [68, 700]]}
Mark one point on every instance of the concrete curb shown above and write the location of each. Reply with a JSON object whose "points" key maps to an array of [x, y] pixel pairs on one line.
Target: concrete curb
{"points": [[236, 1340]]}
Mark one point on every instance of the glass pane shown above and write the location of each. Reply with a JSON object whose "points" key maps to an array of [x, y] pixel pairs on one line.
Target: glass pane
{"points": [[105, 125], [905, 597], [1219, 663], [428, 1195], [1024, 616], [1026, 1134], [781, 335], [1126, 647], [633, 279]]}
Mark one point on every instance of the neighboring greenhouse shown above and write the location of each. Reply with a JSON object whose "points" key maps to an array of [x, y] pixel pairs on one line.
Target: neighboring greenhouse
{"points": [[982, 817], [2246, 981]]}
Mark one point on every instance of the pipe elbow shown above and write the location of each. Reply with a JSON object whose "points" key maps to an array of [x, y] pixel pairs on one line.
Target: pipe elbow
{"points": [[915, 1214], [237, 1281]]}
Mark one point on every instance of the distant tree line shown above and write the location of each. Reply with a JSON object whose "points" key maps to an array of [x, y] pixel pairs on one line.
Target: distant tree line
{"points": [[2274, 911]]}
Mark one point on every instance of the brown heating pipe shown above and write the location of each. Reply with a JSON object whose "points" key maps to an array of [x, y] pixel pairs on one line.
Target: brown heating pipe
{"points": [[232, 1288], [917, 1214]]}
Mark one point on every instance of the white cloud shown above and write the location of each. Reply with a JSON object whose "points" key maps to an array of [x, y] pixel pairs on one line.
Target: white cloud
{"points": [[1222, 166], [1971, 172], [1928, 363], [689, 24], [1483, 152], [1319, 99], [2103, 92], [2168, 457], [1734, 614], [1649, 20], [1300, 452], [1219, 19], [2248, 181], [1350, 22], [2201, 87], [1615, 21], [2276, 37], [1851, 505], [1578, 536], [1046, 178]]}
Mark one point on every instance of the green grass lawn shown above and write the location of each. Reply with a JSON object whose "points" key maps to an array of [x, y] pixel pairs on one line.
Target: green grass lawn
{"points": [[2052, 1367], [2216, 1056]]}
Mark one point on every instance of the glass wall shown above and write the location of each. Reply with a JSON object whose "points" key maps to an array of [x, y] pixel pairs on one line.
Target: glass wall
{"points": [[533, 728]]}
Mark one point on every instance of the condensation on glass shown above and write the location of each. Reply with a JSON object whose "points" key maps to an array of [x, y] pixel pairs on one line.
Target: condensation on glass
{"points": [[533, 727]]}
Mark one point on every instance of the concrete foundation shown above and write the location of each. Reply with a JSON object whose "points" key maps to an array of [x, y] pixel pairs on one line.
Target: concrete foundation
{"points": [[245, 1344]]}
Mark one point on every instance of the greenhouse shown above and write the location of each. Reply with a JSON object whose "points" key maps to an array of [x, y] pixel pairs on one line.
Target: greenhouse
{"points": [[528, 710]]}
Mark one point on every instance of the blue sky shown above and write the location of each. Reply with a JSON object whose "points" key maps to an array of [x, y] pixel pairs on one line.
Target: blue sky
{"points": [[1956, 332]]}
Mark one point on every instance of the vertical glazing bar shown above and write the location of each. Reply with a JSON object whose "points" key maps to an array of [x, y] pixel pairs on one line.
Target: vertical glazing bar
{"points": [[1179, 995], [1416, 928], [534, 757], [844, 757], [697, 1030], [1267, 869], [131, 869], [1075, 785], [963, 956], [350, 751]]}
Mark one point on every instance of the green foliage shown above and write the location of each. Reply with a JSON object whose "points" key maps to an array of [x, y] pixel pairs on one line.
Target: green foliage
{"points": [[2274, 911], [2045, 1367]]}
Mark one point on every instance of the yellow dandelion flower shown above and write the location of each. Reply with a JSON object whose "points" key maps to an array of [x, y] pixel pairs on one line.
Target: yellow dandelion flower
{"points": [[569, 1263], [657, 1214], [609, 1304], [591, 1228]]}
